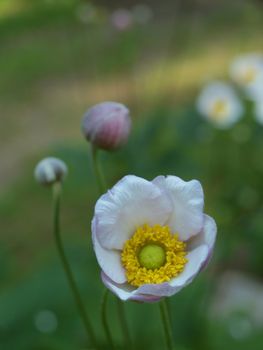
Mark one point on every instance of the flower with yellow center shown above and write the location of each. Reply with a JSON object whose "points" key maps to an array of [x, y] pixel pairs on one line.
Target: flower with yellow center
{"points": [[219, 104], [247, 71], [151, 238]]}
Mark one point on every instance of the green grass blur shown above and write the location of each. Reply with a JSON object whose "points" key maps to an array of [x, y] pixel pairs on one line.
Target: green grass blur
{"points": [[54, 64]]}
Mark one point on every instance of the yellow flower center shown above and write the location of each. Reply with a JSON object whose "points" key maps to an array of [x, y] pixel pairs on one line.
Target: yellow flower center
{"points": [[153, 255], [249, 75], [219, 109]]}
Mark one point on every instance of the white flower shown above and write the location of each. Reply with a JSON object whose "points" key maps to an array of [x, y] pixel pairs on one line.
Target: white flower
{"points": [[219, 104], [151, 238], [50, 170], [46, 321], [259, 111], [142, 13], [238, 296], [247, 72], [122, 19], [87, 13]]}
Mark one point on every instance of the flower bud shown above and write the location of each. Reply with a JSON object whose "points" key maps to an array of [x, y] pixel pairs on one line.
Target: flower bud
{"points": [[107, 125], [50, 170]]}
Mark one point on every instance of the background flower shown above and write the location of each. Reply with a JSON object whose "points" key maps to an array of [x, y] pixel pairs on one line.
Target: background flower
{"points": [[247, 71], [121, 19], [219, 104], [259, 111], [237, 301]]}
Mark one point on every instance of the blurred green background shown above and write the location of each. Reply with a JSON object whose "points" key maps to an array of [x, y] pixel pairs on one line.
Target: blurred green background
{"points": [[59, 57]]}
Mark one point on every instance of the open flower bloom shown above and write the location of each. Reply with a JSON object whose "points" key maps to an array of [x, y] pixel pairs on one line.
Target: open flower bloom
{"points": [[219, 104], [151, 238], [247, 72]]}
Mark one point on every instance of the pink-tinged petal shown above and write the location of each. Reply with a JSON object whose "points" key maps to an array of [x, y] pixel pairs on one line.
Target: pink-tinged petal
{"points": [[126, 292], [143, 298], [188, 202], [109, 260], [132, 202], [160, 290]]}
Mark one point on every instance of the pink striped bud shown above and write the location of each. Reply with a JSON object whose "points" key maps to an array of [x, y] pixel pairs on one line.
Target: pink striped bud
{"points": [[107, 125]]}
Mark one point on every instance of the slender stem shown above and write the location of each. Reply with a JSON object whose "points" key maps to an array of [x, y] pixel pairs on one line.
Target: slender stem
{"points": [[66, 266], [97, 170], [166, 324], [124, 324], [104, 319], [102, 188]]}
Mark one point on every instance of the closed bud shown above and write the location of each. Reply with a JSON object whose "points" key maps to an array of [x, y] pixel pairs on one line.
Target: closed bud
{"points": [[107, 125], [50, 170]]}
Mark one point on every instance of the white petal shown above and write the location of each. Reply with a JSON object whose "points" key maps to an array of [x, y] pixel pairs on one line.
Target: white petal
{"points": [[196, 259], [207, 236], [132, 202], [125, 292], [188, 202], [109, 260]]}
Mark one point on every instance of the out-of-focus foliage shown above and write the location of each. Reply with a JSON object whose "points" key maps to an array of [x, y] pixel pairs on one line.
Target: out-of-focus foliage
{"points": [[53, 66]]}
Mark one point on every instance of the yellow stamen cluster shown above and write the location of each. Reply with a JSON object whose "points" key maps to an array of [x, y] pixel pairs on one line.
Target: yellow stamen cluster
{"points": [[249, 75], [172, 265], [219, 109]]}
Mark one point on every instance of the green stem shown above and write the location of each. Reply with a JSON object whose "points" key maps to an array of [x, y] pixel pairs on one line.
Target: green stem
{"points": [[66, 266], [97, 170], [124, 324], [166, 324], [103, 188], [104, 319]]}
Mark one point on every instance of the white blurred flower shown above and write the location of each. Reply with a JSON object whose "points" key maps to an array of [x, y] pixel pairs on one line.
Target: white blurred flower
{"points": [[121, 19], [152, 238], [142, 13], [238, 294], [259, 111], [247, 72], [219, 104], [86, 13], [50, 170], [46, 321]]}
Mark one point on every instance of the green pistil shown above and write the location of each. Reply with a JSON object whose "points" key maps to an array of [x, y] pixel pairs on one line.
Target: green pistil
{"points": [[152, 256]]}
